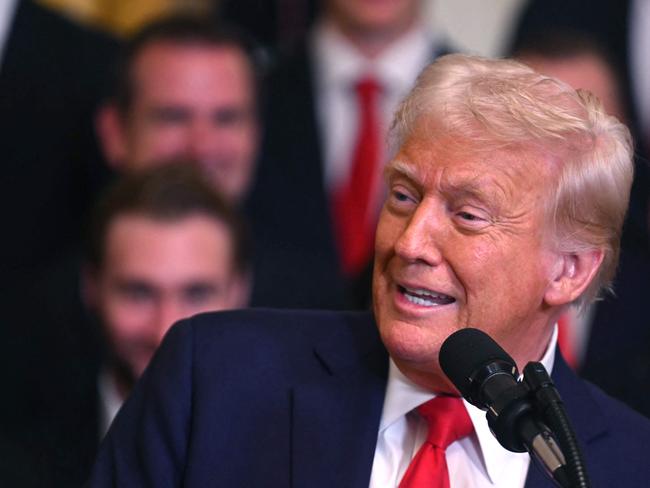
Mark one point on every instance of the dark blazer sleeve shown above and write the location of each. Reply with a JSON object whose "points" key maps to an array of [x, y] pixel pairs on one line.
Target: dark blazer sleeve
{"points": [[253, 398], [149, 439]]}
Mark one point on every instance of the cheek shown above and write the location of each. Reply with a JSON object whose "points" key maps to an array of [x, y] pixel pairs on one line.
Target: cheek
{"points": [[154, 143], [388, 231], [124, 321]]}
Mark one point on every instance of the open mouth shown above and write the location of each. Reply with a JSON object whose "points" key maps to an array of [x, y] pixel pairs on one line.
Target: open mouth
{"points": [[425, 298]]}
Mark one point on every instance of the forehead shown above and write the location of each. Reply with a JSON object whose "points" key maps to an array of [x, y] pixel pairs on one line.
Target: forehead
{"points": [[196, 244], [431, 157], [169, 68]]}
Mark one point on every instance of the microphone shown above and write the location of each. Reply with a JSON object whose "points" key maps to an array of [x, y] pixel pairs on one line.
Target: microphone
{"points": [[486, 376]]}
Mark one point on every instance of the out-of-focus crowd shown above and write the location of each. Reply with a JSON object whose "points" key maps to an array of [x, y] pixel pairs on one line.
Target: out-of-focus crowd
{"points": [[236, 160]]}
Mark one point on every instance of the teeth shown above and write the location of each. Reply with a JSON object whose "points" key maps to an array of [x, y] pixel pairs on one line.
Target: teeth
{"points": [[426, 298], [419, 301], [423, 292]]}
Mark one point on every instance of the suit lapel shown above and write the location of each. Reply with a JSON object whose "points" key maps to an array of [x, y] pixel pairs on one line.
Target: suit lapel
{"points": [[336, 420], [585, 416]]}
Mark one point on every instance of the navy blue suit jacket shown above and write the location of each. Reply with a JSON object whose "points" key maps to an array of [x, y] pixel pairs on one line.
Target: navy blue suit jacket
{"points": [[285, 398]]}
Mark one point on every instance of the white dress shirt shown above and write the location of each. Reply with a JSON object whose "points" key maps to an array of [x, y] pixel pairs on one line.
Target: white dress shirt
{"points": [[7, 12], [110, 401], [639, 44], [474, 462], [338, 66]]}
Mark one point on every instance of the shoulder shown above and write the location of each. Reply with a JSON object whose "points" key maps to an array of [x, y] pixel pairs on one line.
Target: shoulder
{"points": [[614, 439], [276, 323], [624, 421], [268, 335]]}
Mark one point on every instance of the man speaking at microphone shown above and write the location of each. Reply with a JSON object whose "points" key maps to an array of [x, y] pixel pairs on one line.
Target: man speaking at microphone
{"points": [[505, 206]]}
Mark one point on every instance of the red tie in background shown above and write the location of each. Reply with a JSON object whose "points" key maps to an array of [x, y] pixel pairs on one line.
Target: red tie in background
{"points": [[354, 202], [447, 422], [565, 338]]}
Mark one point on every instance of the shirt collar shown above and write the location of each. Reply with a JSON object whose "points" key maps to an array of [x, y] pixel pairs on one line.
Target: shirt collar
{"points": [[339, 64], [110, 400], [7, 13], [402, 396]]}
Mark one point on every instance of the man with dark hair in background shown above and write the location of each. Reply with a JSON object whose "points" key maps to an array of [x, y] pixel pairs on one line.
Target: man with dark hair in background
{"points": [[186, 88], [163, 245]]}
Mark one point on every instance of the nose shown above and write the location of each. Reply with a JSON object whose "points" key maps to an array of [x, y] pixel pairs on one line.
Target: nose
{"points": [[204, 142], [421, 238]]}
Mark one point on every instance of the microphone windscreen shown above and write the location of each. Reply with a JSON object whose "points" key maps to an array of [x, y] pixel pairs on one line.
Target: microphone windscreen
{"points": [[466, 351]]}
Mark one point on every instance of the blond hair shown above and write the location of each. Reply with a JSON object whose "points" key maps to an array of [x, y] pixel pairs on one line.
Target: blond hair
{"points": [[505, 104]]}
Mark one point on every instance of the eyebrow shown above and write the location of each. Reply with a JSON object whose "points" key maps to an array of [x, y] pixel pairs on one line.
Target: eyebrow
{"points": [[397, 166], [478, 188]]}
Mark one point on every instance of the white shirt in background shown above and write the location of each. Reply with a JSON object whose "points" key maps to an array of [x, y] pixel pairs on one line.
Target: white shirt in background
{"points": [[7, 12], [338, 66]]}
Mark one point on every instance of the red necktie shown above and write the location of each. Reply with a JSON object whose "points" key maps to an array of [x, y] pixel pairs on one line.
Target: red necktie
{"points": [[565, 338], [447, 421], [354, 203]]}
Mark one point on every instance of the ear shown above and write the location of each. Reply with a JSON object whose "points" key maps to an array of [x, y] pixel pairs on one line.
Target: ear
{"points": [[109, 126], [571, 275]]}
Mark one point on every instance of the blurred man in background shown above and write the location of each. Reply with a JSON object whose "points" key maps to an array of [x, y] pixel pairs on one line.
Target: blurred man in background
{"points": [[164, 245], [330, 105], [185, 88]]}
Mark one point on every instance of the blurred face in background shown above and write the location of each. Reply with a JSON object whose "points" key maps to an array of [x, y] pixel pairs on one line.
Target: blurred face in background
{"points": [[586, 71], [367, 17], [155, 273], [190, 101]]}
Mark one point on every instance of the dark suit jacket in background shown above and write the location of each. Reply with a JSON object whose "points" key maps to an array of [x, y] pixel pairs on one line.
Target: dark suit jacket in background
{"points": [[297, 263], [296, 259], [52, 75], [269, 398]]}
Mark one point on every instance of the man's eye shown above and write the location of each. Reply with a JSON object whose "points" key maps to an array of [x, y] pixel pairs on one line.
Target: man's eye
{"points": [[200, 293], [229, 116], [136, 292], [400, 197], [469, 216], [169, 115], [472, 219], [399, 193]]}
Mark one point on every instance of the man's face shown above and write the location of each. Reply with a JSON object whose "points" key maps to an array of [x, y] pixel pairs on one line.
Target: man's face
{"points": [[461, 243], [155, 273], [195, 102], [374, 16]]}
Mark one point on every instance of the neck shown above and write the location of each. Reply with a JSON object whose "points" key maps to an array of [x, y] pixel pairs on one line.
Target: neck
{"points": [[371, 43], [123, 381]]}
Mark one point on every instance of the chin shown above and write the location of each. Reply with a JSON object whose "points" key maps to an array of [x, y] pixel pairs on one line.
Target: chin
{"points": [[409, 342]]}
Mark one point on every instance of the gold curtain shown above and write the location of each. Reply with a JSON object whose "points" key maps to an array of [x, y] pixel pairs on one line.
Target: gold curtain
{"points": [[122, 16]]}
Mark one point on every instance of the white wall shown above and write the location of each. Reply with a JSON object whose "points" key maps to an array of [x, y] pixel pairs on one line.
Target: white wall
{"points": [[475, 26]]}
